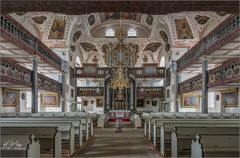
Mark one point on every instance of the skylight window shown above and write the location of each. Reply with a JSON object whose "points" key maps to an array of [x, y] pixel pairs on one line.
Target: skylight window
{"points": [[132, 32], [110, 32]]}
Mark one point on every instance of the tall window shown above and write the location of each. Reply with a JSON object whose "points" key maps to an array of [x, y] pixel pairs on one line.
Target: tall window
{"points": [[110, 32], [132, 32], [162, 62]]}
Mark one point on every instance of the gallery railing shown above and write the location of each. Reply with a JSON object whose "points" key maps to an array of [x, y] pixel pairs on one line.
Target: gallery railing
{"points": [[149, 92], [190, 85], [226, 73], [97, 72], [10, 72], [222, 34], [48, 84], [90, 91], [16, 33], [140, 72], [14, 74]]}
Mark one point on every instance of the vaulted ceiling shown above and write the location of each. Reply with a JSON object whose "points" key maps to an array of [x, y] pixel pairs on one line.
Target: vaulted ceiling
{"points": [[84, 35]]}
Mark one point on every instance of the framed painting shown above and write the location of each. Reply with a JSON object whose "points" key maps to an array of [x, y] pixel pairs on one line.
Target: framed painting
{"points": [[50, 100], [189, 100], [85, 102], [10, 98], [99, 102], [230, 98], [140, 102], [154, 102], [57, 29]]}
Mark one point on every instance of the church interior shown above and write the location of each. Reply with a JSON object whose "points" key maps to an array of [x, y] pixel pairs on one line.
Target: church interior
{"points": [[119, 78]]}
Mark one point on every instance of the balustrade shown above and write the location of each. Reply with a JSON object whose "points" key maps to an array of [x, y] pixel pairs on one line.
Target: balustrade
{"points": [[150, 92], [98, 73], [89, 91], [13, 73], [12, 30], [48, 84], [226, 73], [192, 84], [139, 72], [225, 32]]}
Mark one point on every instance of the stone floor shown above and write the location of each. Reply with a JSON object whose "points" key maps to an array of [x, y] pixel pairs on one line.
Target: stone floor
{"points": [[130, 143]]}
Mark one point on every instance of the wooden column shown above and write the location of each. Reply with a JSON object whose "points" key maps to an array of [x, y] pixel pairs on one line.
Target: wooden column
{"points": [[205, 85], [34, 85]]}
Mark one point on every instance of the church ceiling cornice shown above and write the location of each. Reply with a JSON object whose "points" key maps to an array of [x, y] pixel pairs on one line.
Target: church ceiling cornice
{"points": [[152, 7]]}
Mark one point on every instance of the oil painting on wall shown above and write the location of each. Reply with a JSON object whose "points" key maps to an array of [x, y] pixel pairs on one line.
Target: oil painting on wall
{"points": [[230, 98], [50, 100], [99, 102], [183, 29], [57, 29], [140, 103], [189, 100], [10, 98]]}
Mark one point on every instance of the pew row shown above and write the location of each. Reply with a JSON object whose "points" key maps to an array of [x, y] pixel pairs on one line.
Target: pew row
{"points": [[19, 145], [49, 137], [158, 127], [182, 137], [218, 145]]}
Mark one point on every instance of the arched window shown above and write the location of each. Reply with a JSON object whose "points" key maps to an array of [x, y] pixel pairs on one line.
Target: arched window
{"points": [[78, 62], [110, 32], [132, 32], [162, 62]]}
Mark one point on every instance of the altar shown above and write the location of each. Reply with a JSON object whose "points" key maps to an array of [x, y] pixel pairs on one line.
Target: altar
{"points": [[124, 115]]}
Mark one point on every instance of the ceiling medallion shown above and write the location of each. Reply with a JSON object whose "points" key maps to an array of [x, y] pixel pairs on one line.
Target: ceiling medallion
{"points": [[145, 59], [95, 59]]}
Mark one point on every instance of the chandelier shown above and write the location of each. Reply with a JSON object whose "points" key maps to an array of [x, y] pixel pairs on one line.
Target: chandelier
{"points": [[119, 82]]}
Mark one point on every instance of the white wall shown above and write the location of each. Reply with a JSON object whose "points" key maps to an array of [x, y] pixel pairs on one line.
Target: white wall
{"points": [[149, 107], [91, 107]]}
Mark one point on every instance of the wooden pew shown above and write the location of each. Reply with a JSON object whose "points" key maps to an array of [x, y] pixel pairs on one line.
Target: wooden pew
{"points": [[49, 137], [182, 137], [157, 120], [65, 127], [218, 145], [81, 123], [168, 126], [19, 145]]}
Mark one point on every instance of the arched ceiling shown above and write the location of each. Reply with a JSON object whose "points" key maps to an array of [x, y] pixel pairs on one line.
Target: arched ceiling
{"points": [[83, 35]]}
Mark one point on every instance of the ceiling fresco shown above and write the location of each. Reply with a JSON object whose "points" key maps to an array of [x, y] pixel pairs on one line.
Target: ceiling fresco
{"points": [[107, 16], [152, 46], [162, 33]]}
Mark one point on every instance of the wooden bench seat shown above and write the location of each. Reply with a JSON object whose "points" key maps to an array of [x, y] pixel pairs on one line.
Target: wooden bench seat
{"points": [[218, 145], [19, 145]]}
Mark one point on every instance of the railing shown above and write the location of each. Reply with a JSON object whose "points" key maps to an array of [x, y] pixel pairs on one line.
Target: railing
{"points": [[89, 91], [190, 85], [10, 72], [13, 31], [139, 72], [225, 32], [48, 84], [149, 92], [14, 73], [228, 72], [99, 73]]}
